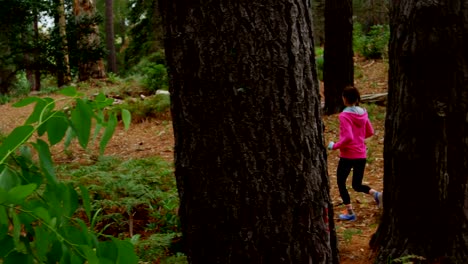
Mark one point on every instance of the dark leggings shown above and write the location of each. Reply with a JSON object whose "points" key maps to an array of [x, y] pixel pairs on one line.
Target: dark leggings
{"points": [[342, 173]]}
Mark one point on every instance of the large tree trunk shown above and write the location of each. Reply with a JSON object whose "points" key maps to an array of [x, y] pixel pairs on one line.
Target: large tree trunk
{"points": [[426, 134], [110, 38], [88, 68], [63, 61], [250, 160], [338, 53]]}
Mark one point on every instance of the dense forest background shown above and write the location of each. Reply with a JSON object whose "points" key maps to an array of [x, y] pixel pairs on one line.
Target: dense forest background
{"points": [[47, 44]]}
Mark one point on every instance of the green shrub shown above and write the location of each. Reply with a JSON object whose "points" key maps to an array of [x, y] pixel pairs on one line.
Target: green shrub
{"points": [[373, 44], [4, 99], [151, 107], [22, 86], [319, 62], [154, 72], [161, 248], [155, 77]]}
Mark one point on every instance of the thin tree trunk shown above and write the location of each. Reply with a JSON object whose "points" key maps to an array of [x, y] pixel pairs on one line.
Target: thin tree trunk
{"points": [[250, 160], [36, 86], [338, 53], [110, 38], [318, 12], [63, 62], [426, 135]]}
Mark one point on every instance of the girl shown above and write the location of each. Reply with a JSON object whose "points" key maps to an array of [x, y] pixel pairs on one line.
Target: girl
{"points": [[355, 127]]}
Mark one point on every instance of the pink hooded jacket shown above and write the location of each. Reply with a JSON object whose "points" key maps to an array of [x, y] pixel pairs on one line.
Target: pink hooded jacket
{"points": [[355, 126]]}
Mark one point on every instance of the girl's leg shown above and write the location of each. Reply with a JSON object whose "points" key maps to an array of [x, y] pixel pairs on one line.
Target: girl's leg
{"points": [[358, 175], [342, 173]]}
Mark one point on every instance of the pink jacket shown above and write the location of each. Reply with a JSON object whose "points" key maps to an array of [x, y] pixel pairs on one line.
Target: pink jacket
{"points": [[355, 126]]}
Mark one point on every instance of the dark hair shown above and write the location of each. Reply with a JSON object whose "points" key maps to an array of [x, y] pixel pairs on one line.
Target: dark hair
{"points": [[351, 94]]}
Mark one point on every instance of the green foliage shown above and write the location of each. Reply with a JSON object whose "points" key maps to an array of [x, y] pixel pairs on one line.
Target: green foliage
{"points": [[349, 233], [155, 77], [37, 210], [151, 106], [375, 112], [154, 72], [113, 78], [133, 185], [157, 247], [373, 44], [139, 191], [4, 98], [319, 62], [146, 32], [409, 259]]}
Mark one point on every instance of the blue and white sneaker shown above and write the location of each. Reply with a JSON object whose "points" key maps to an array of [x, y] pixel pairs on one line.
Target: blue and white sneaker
{"points": [[347, 217]]}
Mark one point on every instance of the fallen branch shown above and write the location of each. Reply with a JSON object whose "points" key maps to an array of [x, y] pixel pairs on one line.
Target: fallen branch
{"points": [[380, 98]]}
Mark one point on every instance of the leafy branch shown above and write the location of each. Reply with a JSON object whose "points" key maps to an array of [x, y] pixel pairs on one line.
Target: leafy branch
{"points": [[37, 216]]}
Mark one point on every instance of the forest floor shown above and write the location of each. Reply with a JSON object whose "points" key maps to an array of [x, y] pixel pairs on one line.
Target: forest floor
{"points": [[154, 137]]}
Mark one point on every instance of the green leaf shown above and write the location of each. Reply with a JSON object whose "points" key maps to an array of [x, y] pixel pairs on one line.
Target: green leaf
{"points": [[81, 121], [42, 213], [7, 246], [45, 160], [70, 200], [126, 118], [36, 114], [86, 201], [18, 257], [69, 91], [101, 101], [108, 132], [126, 251], [46, 113], [19, 193], [4, 224], [56, 128], [15, 139], [16, 227], [107, 250], [90, 254], [8, 180], [26, 101], [42, 241]]}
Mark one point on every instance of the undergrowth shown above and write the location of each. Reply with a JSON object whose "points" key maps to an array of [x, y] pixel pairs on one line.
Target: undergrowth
{"points": [[135, 198]]}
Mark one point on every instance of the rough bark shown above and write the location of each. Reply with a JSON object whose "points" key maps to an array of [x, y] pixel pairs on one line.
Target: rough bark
{"points": [[338, 53], [88, 68], [63, 61], [250, 160], [426, 134], [110, 38]]}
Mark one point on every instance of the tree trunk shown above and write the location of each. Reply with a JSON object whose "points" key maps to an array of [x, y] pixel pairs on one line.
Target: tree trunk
{"points": [[318, 14], [110, 38], [250, 160], [88, 68], [36, 85], [426, 134], [338, 53], [63, 61]]}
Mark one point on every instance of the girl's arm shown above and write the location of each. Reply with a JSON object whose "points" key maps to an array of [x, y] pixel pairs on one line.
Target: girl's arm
{"points": [[369, 129], [346, 133]]}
